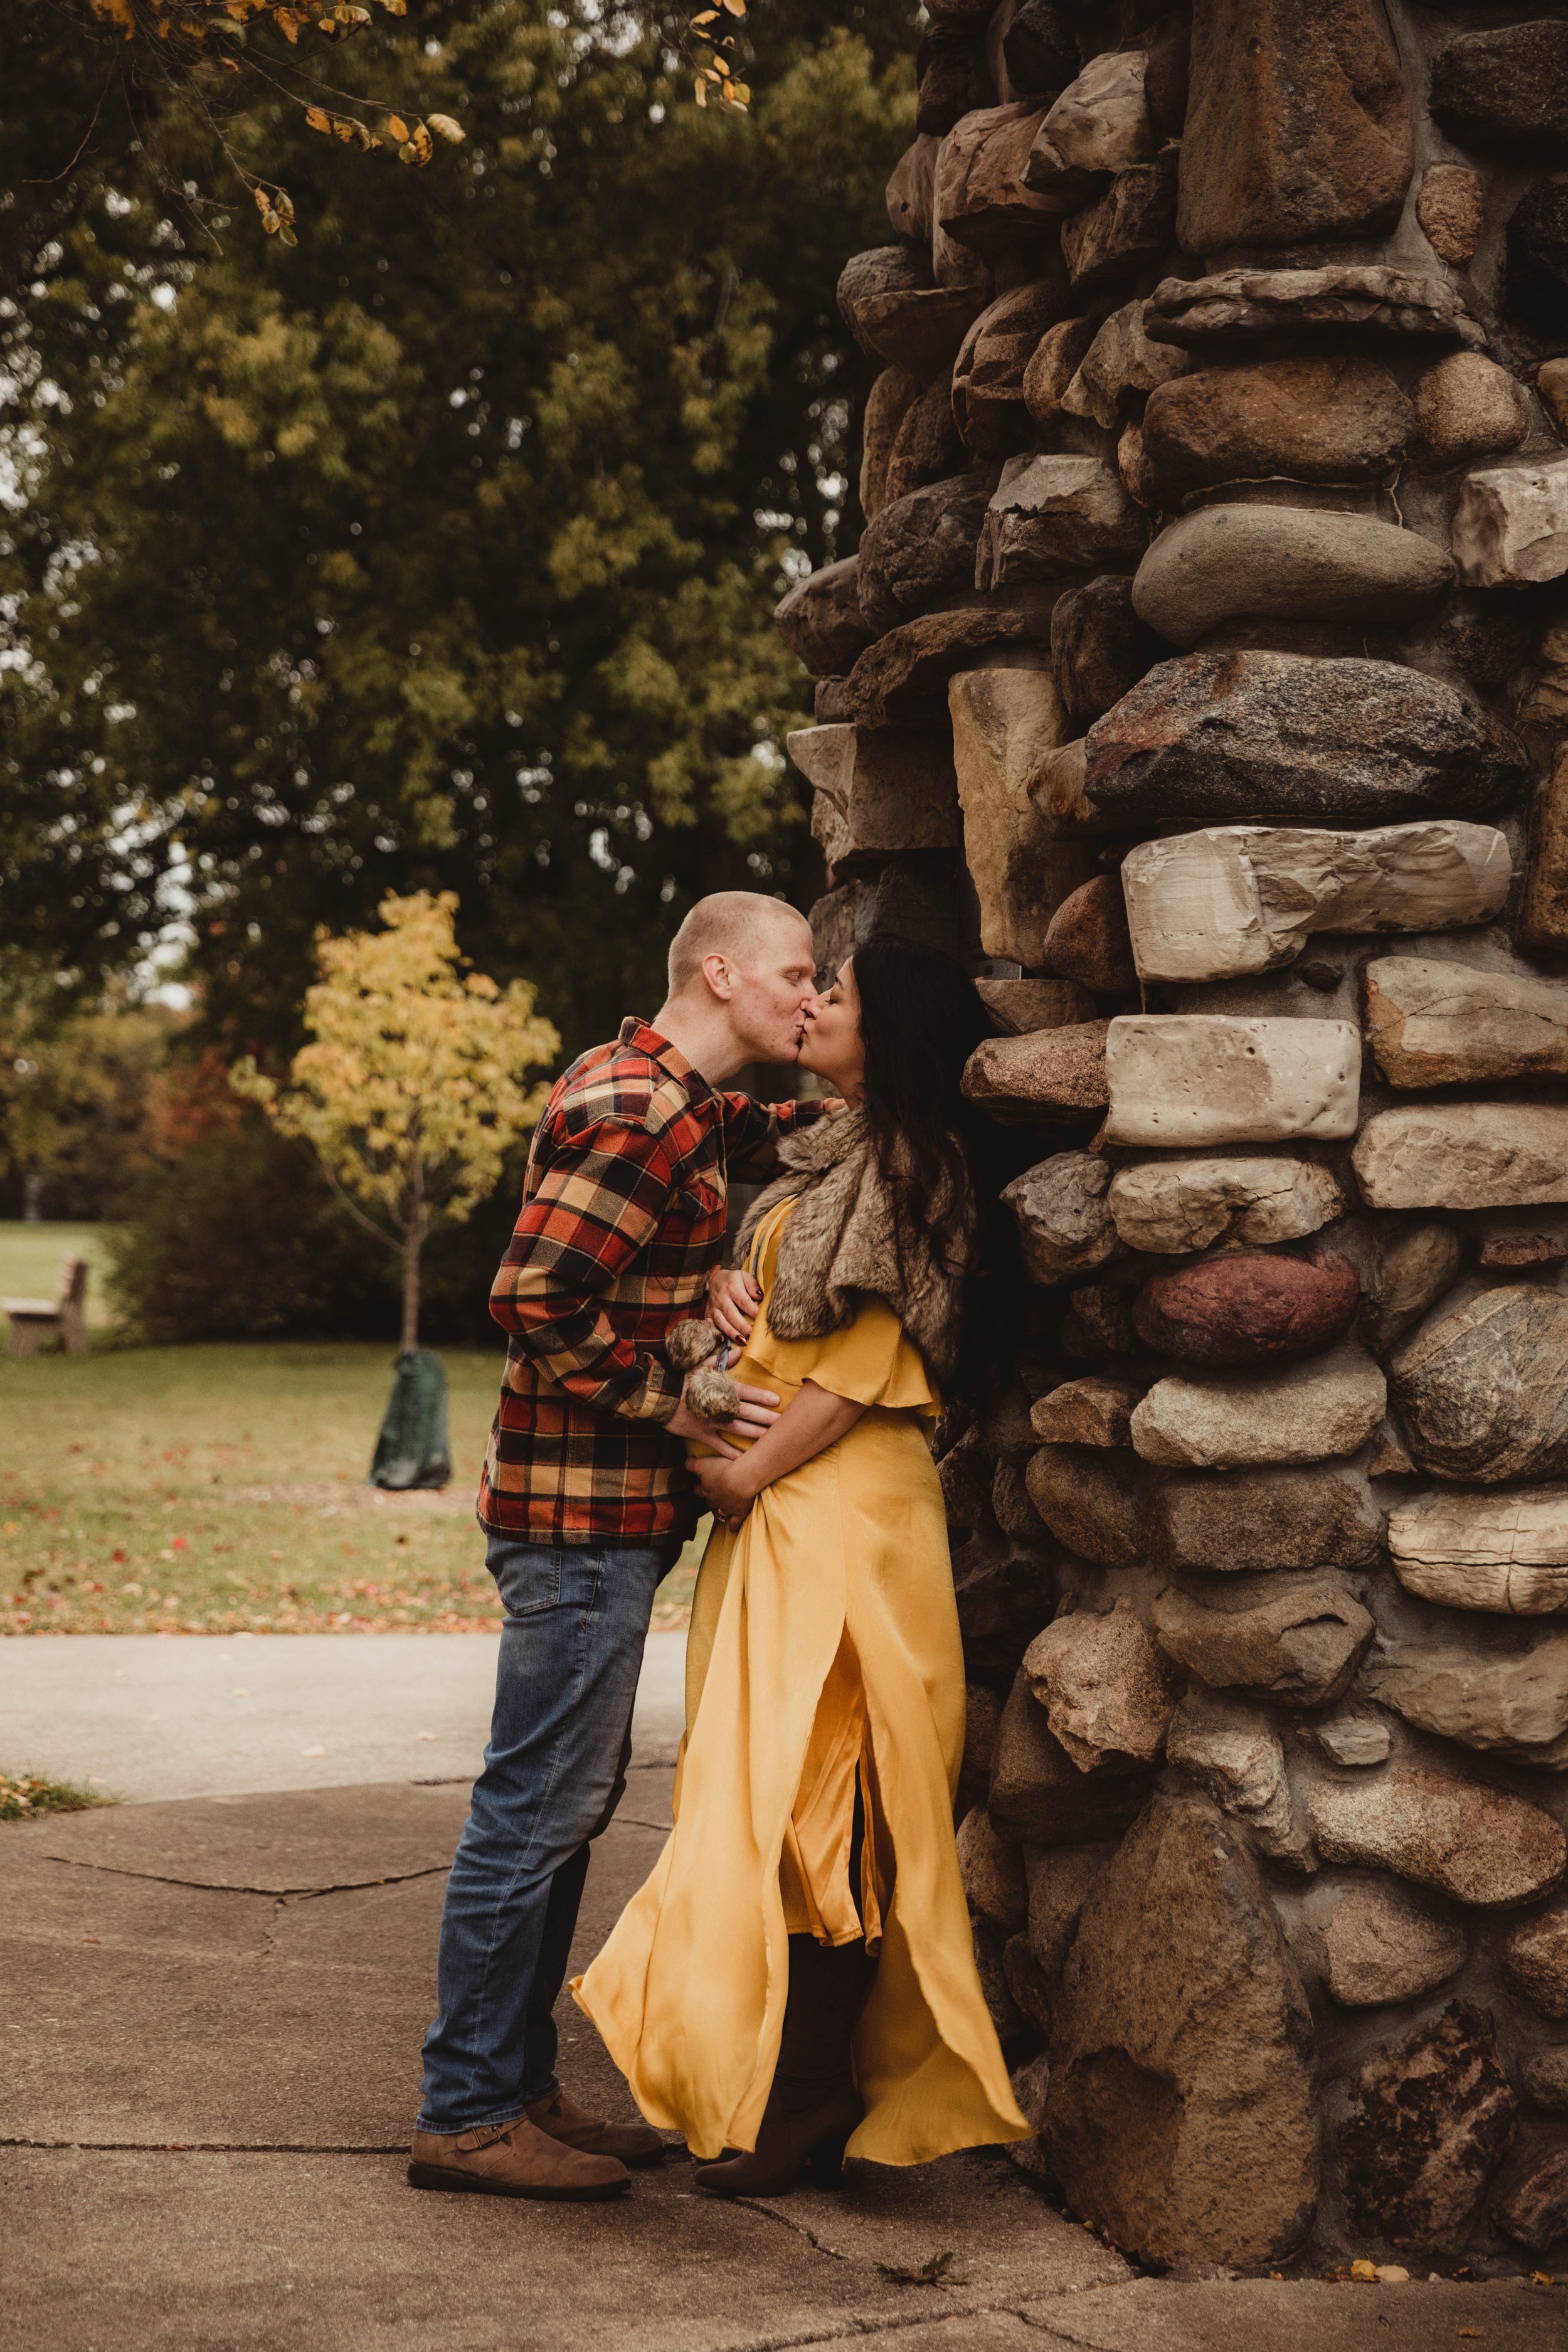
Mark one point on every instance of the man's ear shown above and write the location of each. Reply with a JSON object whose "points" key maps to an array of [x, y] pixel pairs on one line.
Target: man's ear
{"points": [[716, 971]]}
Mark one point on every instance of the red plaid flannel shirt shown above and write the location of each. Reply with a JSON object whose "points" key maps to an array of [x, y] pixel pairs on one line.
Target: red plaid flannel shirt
{"points": [[623, 1219]]}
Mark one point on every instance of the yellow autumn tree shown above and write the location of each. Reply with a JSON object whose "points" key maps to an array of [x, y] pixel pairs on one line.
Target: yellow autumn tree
{"points": [[414, 1083]]}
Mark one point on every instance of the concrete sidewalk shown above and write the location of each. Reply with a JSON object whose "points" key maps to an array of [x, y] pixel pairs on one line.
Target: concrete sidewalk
{"points": [[210, 2067], [144, 1716]]}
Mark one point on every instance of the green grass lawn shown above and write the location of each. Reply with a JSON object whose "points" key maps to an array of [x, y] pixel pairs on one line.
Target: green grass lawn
{"points": [[221, 1489], [30, 1261]]}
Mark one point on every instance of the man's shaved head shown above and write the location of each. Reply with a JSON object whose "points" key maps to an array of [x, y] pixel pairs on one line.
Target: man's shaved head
{"points": [[738, 924]]}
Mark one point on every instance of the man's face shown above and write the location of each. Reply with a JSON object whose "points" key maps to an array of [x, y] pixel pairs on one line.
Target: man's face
{"points": [[772, 987]]}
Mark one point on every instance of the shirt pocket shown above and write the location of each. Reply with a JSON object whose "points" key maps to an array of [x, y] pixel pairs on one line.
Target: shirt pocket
{"points": [[704, 1198]]}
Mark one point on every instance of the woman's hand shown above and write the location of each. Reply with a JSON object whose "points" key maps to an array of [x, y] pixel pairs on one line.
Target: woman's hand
{"points": [[724, 1486], [732, 1302]]}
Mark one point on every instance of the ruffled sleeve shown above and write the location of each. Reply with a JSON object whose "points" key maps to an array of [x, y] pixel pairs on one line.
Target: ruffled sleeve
{"points": [[871, 1361]]}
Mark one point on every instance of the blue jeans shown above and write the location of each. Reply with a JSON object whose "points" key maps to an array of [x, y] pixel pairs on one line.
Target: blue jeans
{"points": [[571, 1650]]}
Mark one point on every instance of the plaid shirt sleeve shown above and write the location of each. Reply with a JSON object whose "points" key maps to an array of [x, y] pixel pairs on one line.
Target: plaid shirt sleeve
{"points": [[597, 1204], [752, 1131]]}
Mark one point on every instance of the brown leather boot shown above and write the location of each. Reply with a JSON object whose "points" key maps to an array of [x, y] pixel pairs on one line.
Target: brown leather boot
{"points": [[813, 2106], [511, 2160], [559, 2116]]}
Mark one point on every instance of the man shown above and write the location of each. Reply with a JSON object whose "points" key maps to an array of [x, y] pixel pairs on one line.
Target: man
{"points": [[586, 1501]]}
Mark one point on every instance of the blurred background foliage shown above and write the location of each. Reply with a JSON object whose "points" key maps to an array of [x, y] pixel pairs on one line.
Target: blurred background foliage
{"points": [[434, 553]]}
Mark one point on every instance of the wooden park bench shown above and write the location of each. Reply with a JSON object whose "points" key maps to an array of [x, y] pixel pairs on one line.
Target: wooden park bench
{"points": [[63, 1319]]}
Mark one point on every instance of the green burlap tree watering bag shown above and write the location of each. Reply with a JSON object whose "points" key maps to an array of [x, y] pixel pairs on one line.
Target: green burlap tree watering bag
{"points": [[414, 1448]]}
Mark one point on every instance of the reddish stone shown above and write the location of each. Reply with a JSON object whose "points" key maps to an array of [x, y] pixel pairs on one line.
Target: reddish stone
{"points": [[1088, 941], [1050, 1074], [1250, 1310]]}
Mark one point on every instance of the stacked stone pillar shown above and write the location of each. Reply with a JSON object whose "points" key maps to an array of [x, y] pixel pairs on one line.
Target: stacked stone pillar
{"points": [[1203, 675]]}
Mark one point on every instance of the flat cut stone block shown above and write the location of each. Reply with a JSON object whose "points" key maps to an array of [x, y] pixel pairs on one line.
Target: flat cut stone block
{"points": [[1234, 1522], [1175, 1205], [1436, 1024], [1459, 1837], [876, 790], [1510, 526], [1493, 1155], [1308, 1413], [1203, 1078], [1514, 1704], [1505, 1551], [1285, 562], [1236, 898]]}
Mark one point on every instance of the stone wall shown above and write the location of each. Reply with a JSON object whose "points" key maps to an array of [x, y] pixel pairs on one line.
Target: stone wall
{"points": [[1203, 674]]}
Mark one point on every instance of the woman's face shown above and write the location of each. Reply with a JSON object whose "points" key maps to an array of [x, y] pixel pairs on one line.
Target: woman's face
{"points": [[832, 1045]]}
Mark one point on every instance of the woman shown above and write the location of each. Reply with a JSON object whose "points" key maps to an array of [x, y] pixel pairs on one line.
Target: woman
{"points": [[796, 1977]]}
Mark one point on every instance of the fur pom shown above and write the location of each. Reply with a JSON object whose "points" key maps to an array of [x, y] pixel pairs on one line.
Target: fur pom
{"points": [[712, 1394], [691, 1343]]}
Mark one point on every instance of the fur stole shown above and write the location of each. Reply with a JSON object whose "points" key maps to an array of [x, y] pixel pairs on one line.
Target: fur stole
{"points": [[846, 1242]]}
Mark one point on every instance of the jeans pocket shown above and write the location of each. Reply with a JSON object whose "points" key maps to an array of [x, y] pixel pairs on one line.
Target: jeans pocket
{"points": [[528, 1578]]}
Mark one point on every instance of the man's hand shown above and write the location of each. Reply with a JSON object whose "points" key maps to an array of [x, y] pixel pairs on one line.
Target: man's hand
{"points": [[756, 1414], [732, 1303]]}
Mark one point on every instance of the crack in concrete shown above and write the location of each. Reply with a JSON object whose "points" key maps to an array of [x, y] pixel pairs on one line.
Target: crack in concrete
{"points": [[884, 2323], [279, 1893], [799, 2228]]}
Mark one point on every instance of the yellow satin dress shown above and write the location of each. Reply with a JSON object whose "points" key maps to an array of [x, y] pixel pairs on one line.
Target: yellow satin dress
{"points": [[824, 1651]]}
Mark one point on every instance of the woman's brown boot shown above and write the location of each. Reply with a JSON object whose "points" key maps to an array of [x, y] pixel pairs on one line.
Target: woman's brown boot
{"points": [[813, 2106]]}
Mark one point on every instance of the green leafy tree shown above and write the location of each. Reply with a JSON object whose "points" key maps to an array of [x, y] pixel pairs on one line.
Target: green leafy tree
{"points": [[439, 553]]}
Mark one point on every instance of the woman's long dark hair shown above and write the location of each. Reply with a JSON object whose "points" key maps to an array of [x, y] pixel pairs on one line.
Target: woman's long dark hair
{"points": [[920, 1019]]}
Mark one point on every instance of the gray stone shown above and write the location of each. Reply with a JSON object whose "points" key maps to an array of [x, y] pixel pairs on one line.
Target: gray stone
{"points": [[1512, 1704], [926, 446], [1177, 1205], [1054, 514], [1535, 2209], [1100, 122], [1451, 208], [887, 403], [1019, 1005], [1552, 384], [1308, 1413], [1061, 1880], [1535, 1959], [1467, 407], [980, 195], [1536, 272], [1100, 648], [1003, 722], [1442, 1025], [920, 549], [1267, 1519], [1028, 1983], [1352, 1740], [821, 621], [981, 1714], [1232, 899], [1291, 562], [1298, 127], [1302, 1645], [1505, 92], [910, 191], [1543, 918], [1092, 1411], [988, 373], [1094, 1500], [1052, 1077], [1179, 2116], [1241, 736], [1328, 418], [1235, 1756], [1409, 1271], [990, 1944], [1197, 1078], [1510, 526], [1507, 1552], [991, 1872], [873, 276], [1355, 303], [1087, 940], [905, 673], [1040, 49], [1011, 1508], [1002, 1600], [1480, 1387], [1468, 1155], [1054, 366], [1120, 362], [1459, 1837], [920, 328], [1544, 2076], [875, 792], [1104, 1685], [1432, 2119], [1129, 229], [1065, 1226], [1040, 1797]]}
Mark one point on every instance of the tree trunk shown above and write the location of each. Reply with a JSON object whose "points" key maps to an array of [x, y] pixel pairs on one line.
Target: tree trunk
{"points": [[413, 1244]]}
